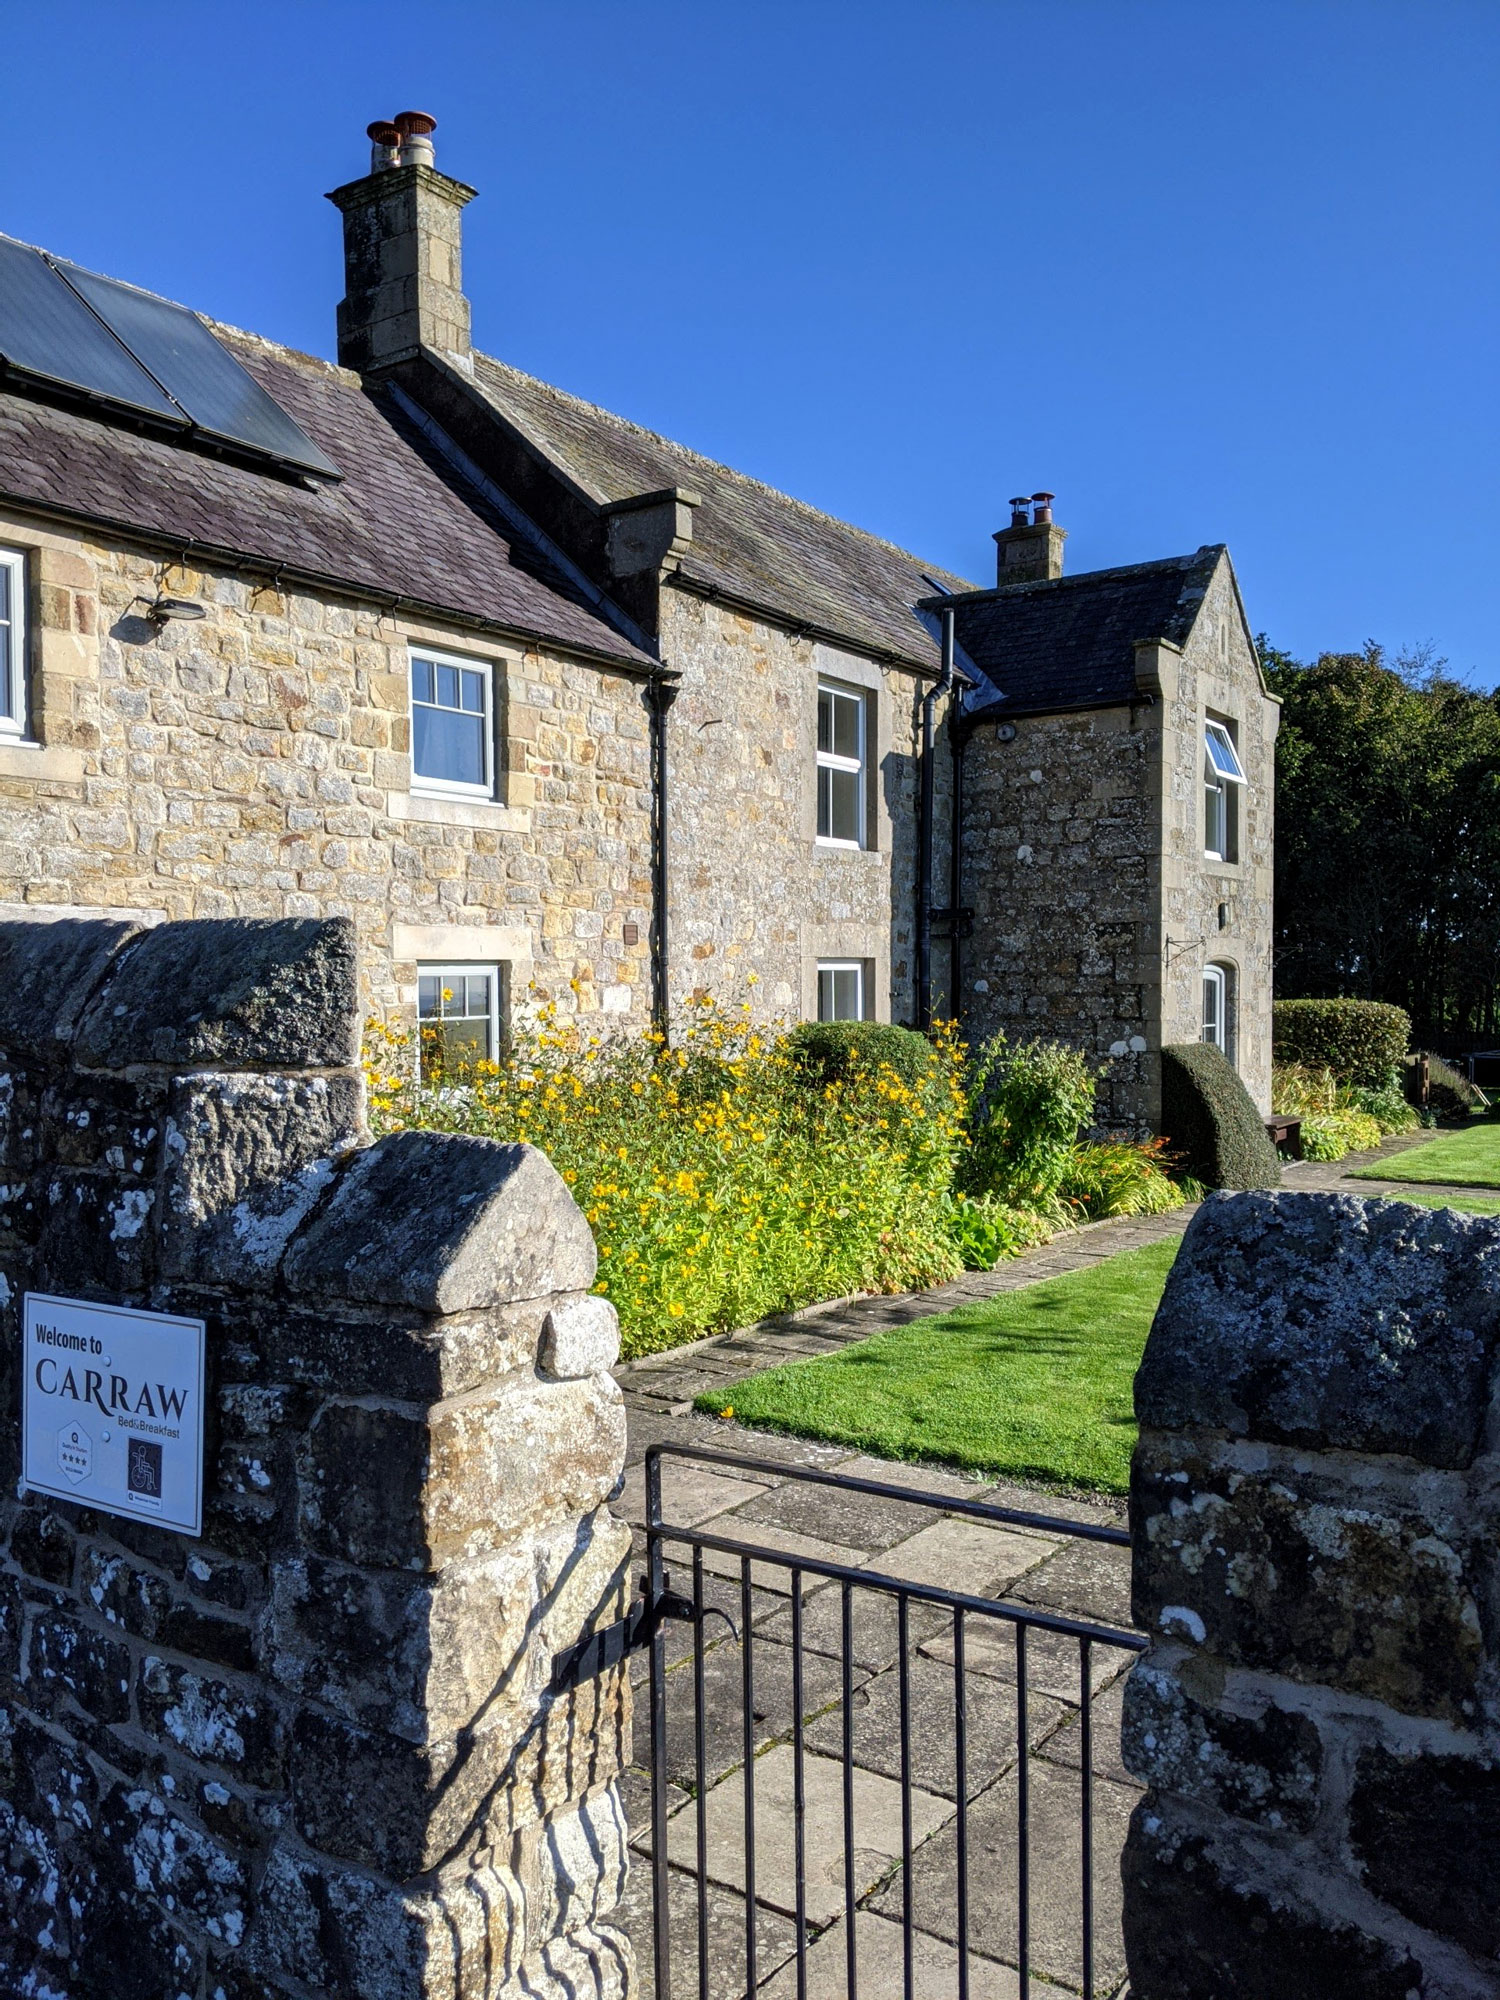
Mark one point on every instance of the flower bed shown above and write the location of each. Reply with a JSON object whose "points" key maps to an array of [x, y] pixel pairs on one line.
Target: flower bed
{"points": [[745, 1171]]}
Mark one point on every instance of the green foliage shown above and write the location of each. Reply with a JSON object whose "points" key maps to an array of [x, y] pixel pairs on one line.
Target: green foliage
{"points": [[1026, 1105], [1450, 1092], [1388, 837], [720, 1186], [1118, 1177], [1387, 1105], [985, 1230], [1361, 1041], [830, 1050], [1211, 1126], [1035, 1384], [1337, 1118]]}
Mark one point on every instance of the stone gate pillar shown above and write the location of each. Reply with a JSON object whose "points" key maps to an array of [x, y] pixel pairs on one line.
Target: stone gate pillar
{"points": [[315, 1750], [1314, 1510]]}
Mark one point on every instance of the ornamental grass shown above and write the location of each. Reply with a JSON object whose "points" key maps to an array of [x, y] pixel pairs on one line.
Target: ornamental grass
{"points": [[722, 1180]]}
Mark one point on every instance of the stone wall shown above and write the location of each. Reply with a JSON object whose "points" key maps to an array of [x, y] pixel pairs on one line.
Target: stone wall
{"points": [[1061, 871], [1095, 909], [1313, 1519], [315, 1752], [257, 763], [1218, 912], [752, 892]]}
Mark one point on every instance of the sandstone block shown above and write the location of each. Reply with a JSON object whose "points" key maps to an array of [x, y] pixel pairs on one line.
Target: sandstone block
{"points": [[247, 1156], [1426, 1832], [69, 1659], [447, 1224], [48, 975], [1262, 1765], [212, 1721], [1202, 1922], [406, 1490], [579, 1337], [1324, 1319], [237, 992], [1288, 1571]]}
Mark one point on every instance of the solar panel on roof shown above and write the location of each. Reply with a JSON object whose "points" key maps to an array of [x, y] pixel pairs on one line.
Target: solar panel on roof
{"points": [[220, 396], [46, 330]]}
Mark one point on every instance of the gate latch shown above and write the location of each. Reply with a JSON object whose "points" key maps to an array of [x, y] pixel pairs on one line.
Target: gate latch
{"points": [[630, 1634]]}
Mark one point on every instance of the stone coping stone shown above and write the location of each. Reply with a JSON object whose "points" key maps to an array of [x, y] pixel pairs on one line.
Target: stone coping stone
{"points": [[1328, 1321], [48, 974], [236, 992], [445, 1223]]}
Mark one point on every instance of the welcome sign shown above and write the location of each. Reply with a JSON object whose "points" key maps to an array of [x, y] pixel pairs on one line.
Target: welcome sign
{"points": [[112, 1412]]}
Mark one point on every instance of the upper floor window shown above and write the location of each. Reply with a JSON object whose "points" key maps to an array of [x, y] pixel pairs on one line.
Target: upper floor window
{"points": [[1222, 780], [841, 990], [452, 726], [458, 1017], [12, 643], [841, 766]]}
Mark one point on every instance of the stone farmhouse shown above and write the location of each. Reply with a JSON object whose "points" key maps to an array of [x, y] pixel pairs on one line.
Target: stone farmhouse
{"points": [[555, 708]]}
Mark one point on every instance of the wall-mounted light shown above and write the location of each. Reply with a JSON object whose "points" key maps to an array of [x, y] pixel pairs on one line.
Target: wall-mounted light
{"points": [[162, 609]]}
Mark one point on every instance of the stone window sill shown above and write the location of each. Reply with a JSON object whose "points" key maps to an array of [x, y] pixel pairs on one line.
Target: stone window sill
{"points": [[31, 760], [458, 812]]}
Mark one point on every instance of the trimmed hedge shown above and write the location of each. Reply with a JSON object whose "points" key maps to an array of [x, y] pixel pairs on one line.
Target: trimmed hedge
{"points": [[825, 1048], [1210, 1122], [1361, 1041]]}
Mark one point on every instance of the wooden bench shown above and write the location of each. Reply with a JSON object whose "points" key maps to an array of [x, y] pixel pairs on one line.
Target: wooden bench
{"points": [[1285, 1135]]}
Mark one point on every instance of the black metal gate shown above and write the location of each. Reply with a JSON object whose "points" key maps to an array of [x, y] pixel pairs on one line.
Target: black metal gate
{"points": [[753, 1834]]}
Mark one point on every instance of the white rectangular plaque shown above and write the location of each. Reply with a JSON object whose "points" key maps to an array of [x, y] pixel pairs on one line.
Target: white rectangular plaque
{"points": [[112, 1409]]}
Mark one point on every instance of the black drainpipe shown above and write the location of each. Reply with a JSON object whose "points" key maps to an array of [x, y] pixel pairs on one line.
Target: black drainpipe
{"points": [[660, 695], [941, 686], [955, 866]]}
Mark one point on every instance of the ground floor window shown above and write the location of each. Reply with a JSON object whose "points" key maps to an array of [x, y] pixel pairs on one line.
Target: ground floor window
{"points": [[458, 1015], [1218, 999], [841, 990]]}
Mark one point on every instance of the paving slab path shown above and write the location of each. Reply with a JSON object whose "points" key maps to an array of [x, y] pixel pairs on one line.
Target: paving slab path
{"points": [[920, 1540]]}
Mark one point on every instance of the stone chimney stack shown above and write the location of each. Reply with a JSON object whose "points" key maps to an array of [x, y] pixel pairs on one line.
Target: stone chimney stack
{"points": [[403, 286], [1030, 550]]}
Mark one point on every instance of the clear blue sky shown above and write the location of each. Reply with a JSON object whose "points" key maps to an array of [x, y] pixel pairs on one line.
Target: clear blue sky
{"points": [[1223, 270]]}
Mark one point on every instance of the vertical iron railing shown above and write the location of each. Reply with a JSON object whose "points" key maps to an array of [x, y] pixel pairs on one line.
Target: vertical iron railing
{"points": [[740, 1559]]}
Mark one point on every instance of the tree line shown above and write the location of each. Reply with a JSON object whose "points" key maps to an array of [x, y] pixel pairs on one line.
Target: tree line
{"points": [[1388, 838]]}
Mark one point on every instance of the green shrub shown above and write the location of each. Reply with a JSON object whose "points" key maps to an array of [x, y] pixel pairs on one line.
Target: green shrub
{"points": [[1361, 1041], [719, 1186], [1026, 1106], [1387, 1105], [1213, 1129], [1118, 1177], [1450, 1092], [985, 1229], [829, 1050]]}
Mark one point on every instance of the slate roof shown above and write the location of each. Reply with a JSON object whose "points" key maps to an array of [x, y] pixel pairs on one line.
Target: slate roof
{"points": [[1070, 642], [751, 544], [399, 526]]}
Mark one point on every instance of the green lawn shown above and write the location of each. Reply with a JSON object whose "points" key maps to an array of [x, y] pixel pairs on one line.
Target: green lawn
{"points": [[1469, 1157], [1035, 1384], [1472, 1204]]}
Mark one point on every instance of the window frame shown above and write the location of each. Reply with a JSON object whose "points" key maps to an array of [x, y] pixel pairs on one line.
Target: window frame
{"points": [[1220, 799], [1223, 977], [14, 715], [833, 966], [446, 969], [831, 760], [453, 788]]}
